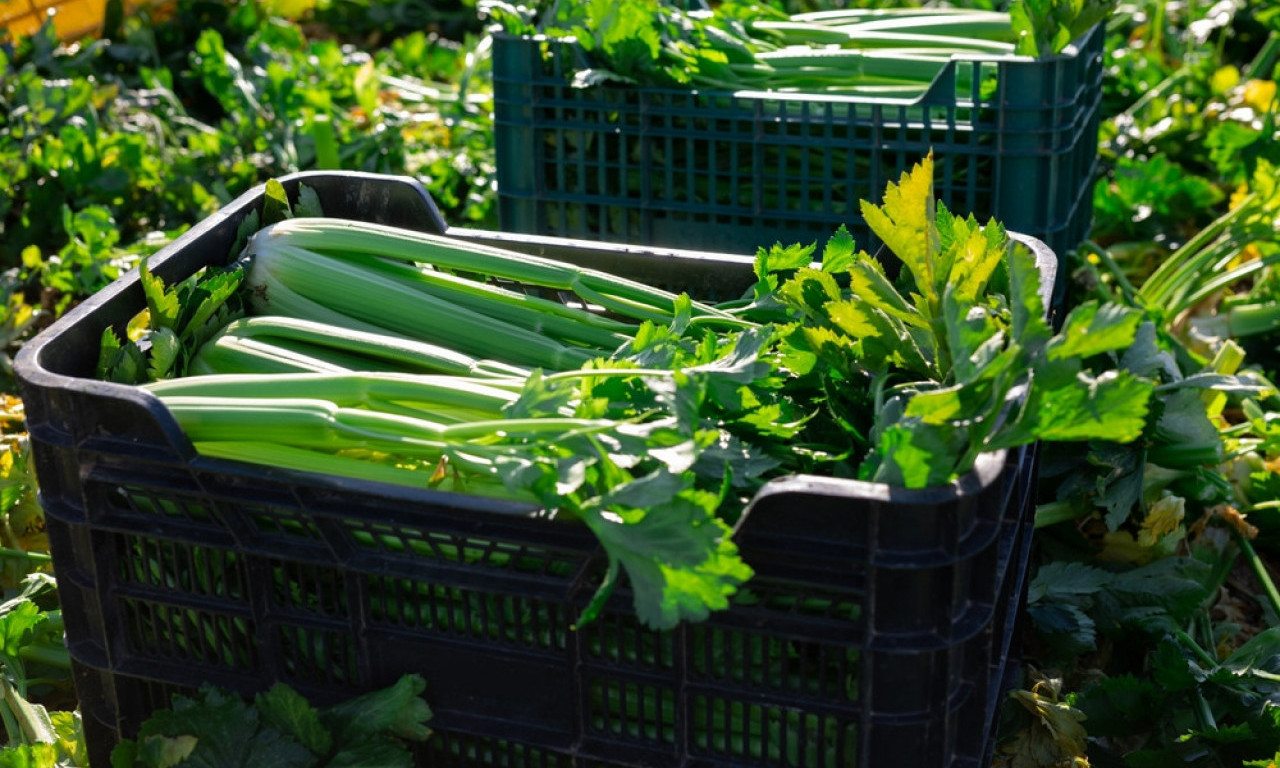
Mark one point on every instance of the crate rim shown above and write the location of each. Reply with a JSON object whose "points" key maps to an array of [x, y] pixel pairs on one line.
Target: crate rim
{"points": [[930, 97], [30, 371]]}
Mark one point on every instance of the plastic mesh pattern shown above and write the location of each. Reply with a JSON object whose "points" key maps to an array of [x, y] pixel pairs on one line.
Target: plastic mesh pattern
{"points": [[732, 172]]}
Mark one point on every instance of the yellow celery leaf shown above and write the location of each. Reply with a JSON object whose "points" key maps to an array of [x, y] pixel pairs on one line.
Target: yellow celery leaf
{"points": [[975, 263], [905, 223]]}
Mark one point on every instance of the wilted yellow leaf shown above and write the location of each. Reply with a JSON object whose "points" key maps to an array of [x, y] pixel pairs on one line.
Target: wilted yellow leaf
{"points": [[1055, 737], [1163, 518], [1236, 519]]}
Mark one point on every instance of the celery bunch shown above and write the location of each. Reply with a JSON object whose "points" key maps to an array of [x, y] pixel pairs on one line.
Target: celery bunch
{"points": [[650, 417]]}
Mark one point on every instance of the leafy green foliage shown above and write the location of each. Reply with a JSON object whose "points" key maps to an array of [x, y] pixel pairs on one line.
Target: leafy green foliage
{"points": [[1237, 693], [656, 488], [180, 319], [1046, 27], [640, 41], [34, 665], [280, 728], [221, 96], [65, 747], [1071, 602], [727, 45], [945, 351], [1186, 129], [99, 132]]}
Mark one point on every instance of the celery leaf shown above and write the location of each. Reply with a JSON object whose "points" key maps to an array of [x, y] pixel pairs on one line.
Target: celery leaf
{"points": [[840, 252], [1091, 329], [679, 559], [904, 222], [287, 711], [162, 304]]}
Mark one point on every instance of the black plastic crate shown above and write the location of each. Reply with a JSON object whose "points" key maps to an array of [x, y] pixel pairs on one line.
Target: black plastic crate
{"points": [[732, 171], [874, 632]]}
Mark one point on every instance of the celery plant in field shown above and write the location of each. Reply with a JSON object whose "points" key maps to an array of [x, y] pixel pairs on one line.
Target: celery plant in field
{"points": [[34, 664]]}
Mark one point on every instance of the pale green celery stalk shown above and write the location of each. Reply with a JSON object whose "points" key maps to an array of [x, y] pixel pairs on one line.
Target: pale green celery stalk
{"points": [[1259, 571], [32, 723], [1263, 63], [1220, 280], [6, 714], [53, 656], [441, 400], [547, 316], [937, 53], [375, 468], [515, 306], [1054, 512], [877, 91], [800, 34], [990, 25], [270, 296], [372, 297], [21, 554], [350, 389], [1201, 267], [304, 423], [858, 38], [302, 344], [472, 448], [289, 304], [230, 354], [321, 424], [854, 72], [345, 236], [1190, 259], [853, 64], [845, 16], [1245, 320]]}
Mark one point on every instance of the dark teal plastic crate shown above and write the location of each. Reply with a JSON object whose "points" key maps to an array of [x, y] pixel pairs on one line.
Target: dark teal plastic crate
{"points": [[730, 172], [876, 631]]}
